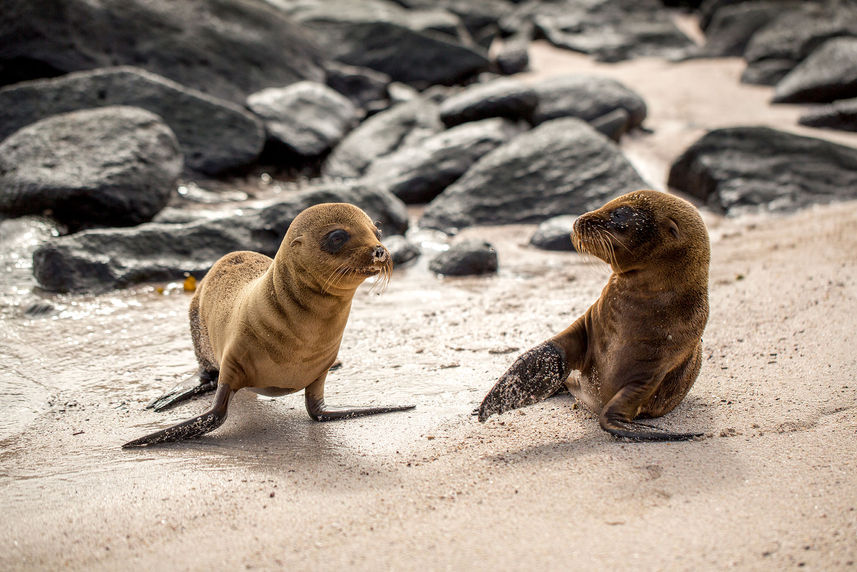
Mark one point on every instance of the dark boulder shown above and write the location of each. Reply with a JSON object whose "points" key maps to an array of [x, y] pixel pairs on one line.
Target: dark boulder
{"points": [[554, 233], [466, 258], [560, 167], [731, 26], [613, 124], [400, 126], [228, 49], [306, 118], [215, 135], [778, 47], [586, 97], [365, 88], [420, 48], [840, 115], [112, 166], [100, 259], [401, 249], [420, 172], [499, 98], [480, 18], [757, 168], [827, 74]]}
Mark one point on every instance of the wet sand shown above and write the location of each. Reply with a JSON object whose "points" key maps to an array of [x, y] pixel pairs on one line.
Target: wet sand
{"points": [[771, 485]]}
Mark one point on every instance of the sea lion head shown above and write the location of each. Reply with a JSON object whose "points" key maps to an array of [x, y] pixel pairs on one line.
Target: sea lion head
{"points": [[338, 246], [641, 228]]}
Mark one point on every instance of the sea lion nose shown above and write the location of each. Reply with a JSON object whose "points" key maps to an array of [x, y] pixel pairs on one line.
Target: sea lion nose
{"points": [[380, 254]]}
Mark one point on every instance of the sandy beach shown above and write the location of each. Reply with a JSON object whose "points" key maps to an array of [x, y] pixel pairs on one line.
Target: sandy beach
{"points": [[771, 485]]}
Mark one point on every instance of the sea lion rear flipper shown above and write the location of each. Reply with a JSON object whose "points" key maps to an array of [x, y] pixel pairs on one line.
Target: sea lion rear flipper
{"points": [[615, 420], [207, 381], [536, 375], [320, 411], [199, 425]]}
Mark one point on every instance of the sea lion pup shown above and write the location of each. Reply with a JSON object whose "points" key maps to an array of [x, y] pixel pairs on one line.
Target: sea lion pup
{"points": [[639, 347], [274, 326]]}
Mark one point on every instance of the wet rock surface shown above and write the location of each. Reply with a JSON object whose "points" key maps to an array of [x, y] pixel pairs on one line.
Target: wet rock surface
{"points": [[504, 97], [560, 167], [227, 49], [827, 74], [840, 115], [751, 168], [100, 259], [466, 258], [420, 172], [554, 233], [112, 166], [215, 135], [586, 97], [305, 118], [401, 249]]}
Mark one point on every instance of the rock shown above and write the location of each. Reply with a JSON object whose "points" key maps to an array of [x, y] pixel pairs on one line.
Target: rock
{"points": [[757, 168], [731, 26], [611, 30], [401, 249], [827, 74], [306, 118], [480, 18], [499, 98], [364, 87], [112, 166], [414, 47], [838, 115], [466, 258], [226, 49], [214, 135], [779, 46], [613, 124], [554, 233], [586, 97], [100, 259], [402, 125], [420, 172], [513, 56], [560, 167]]}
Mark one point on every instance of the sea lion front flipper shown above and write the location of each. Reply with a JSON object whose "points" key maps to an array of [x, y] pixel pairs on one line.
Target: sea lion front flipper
{"points": [[536, 375], [199, 425], [207, 381], [615, 419], [320, 411]]}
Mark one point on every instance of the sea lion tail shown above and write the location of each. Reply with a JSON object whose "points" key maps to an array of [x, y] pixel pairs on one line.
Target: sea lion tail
{"points": [[199, 425], [536, 375]]}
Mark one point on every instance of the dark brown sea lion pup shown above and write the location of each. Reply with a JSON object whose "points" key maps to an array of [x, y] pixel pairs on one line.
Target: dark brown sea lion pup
{"points": [[274, 326], [639, 347]]}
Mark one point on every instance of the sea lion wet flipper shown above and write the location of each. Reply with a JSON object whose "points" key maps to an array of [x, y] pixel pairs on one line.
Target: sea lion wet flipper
{"points": [[199, 425], [320, 411], [534, 376], [206, 381]]}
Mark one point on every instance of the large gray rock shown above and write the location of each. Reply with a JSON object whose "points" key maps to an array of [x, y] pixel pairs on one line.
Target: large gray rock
{"points": [[731, 26], [400, 126], [827, 74], [560, 167], [215, 135], [420, 172], [480, 17], [100, 259], [609, 30], [555, 234], [225, 48], [421, 48], [308, 118], [778, 47], [112, 166], [757, 168], [365, 88], [840, 115], [466, 258], [587, 97], [499, 98]]}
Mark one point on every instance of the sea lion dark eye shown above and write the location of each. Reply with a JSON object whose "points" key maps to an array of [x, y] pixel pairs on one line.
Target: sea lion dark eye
{"points": [[622, 216], [335, 240]]}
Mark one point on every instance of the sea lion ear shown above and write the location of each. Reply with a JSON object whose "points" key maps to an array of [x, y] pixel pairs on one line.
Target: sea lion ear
{"points": [[672, 227], [296, 241]]}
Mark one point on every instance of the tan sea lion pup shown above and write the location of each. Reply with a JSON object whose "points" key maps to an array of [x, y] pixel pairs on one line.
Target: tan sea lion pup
{"points": [[274, 326], [639, 347]]}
